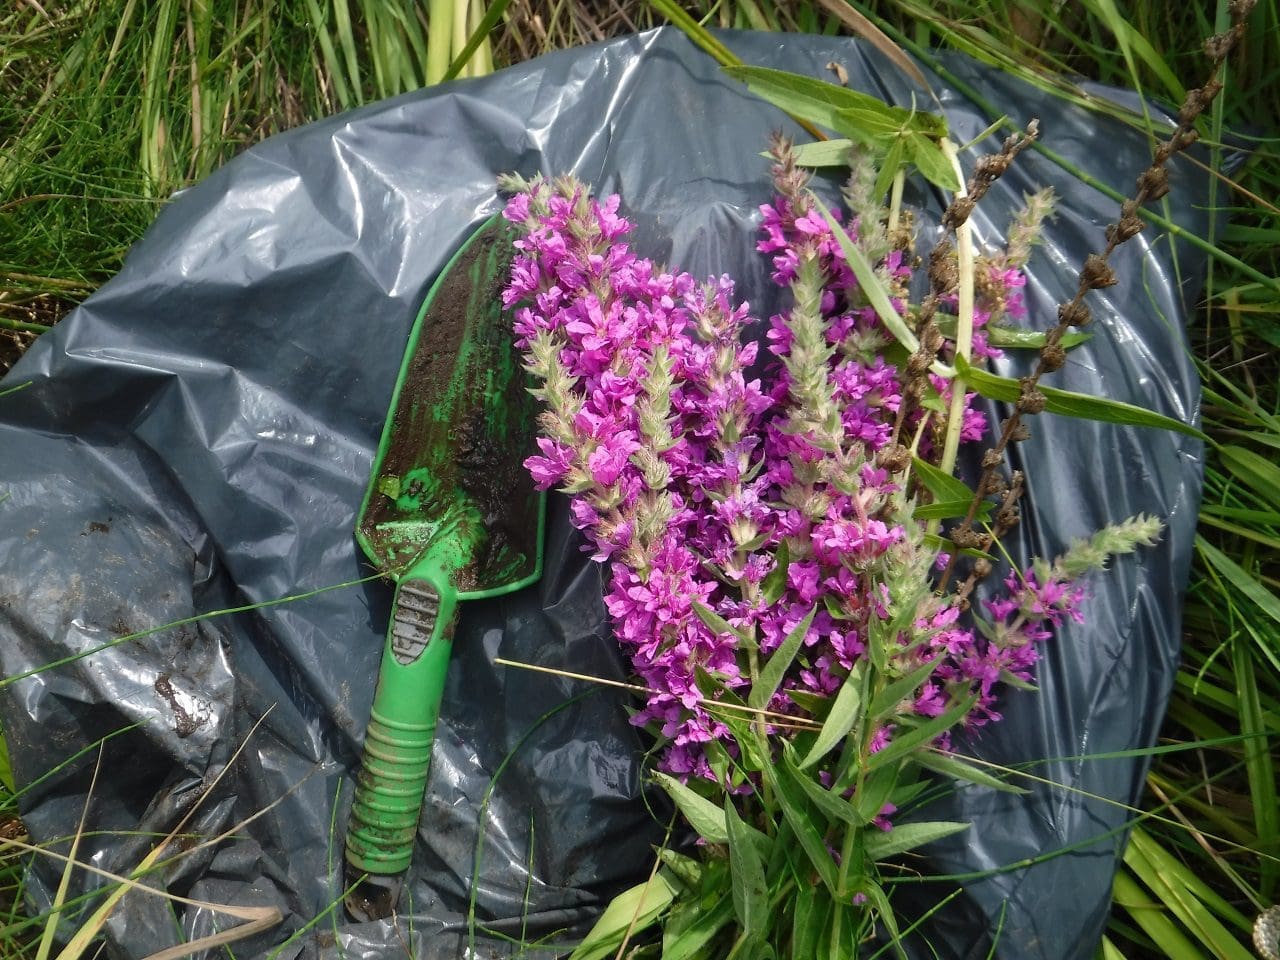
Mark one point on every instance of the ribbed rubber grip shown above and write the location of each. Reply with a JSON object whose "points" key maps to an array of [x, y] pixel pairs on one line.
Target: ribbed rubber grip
{"points": [[402, 726]]}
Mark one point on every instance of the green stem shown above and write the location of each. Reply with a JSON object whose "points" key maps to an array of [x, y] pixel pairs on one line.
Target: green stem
{"points": [[24, 325], [964, 322], [895, 200]]}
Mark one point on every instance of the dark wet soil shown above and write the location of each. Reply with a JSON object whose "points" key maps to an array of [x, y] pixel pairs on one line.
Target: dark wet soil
{"points": [[464, 416]]}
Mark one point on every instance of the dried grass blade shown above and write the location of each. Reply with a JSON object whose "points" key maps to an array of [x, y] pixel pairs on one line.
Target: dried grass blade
{"points": [[864, 27]]}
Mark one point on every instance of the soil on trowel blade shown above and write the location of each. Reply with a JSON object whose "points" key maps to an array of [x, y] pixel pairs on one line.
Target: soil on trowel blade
{"points": [[482, 442]]}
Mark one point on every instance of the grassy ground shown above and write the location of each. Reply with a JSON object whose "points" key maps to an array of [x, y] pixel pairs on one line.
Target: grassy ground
{"points": [[107, 106]]}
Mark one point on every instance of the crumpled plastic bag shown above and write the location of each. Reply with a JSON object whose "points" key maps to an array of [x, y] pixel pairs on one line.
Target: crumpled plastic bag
{"points": [[198, 435]]}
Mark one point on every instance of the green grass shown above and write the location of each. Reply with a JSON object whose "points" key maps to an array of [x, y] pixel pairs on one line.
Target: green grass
{"points": [[107, 107]]}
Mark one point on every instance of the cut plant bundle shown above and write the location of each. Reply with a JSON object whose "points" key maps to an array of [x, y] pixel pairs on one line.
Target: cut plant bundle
{"points": [[770, 520]]}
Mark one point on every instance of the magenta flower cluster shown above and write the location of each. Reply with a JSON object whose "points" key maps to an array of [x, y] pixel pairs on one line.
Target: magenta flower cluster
{"points": [[730, 510]]}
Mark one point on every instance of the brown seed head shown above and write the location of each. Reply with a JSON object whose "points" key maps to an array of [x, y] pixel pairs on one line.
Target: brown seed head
{"points": [[944, 274], [1032, 400], [1052, 357], [932, 339], [1126, 229], [895, 458], [1096, 274], [1154, 182], [958, 212], [1074, 314], [1219, 45], [982, 568], [991, 459]]}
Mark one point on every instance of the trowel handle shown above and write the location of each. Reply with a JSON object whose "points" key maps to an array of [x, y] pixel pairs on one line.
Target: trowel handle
{"points": [[402, 725]]}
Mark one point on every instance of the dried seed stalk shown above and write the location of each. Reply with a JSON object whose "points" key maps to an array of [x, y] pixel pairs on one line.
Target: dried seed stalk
{"points": [[1095, 274]]}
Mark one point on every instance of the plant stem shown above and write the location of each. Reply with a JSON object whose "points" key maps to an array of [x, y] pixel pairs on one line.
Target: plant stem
{"points": [[895, 201], [964, 322]]}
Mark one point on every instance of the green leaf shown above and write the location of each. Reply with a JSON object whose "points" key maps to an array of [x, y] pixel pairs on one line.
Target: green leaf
{"points": [[961, 770], [807, 921], [718, 624], [884, 909], [1240, 578], [814, 704], [750, 894], [799, 817], [874, 792], [949, 509], [832, 806], [1258, 472], [775, 583], [938, 482], [818, 101], [1015, 338], [823, 153], [687, 870], [890, 164], [704, 816], [766, 685], [909, 739], [907, 836], [1068, 404], [887, 700], [871, 126], [845, 712], [868, 282], [689, 940], [932, 162], [632, 910]]}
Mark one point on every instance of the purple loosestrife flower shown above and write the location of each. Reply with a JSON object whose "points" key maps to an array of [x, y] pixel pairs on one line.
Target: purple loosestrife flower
{"points": [[696, 484]]}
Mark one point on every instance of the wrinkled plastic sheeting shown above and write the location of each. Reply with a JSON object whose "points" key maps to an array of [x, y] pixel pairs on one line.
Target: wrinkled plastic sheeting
{"points": [[198, 435]]}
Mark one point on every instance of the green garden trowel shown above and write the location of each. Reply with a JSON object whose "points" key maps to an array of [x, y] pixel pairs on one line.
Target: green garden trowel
{"points": [[450, 514]]}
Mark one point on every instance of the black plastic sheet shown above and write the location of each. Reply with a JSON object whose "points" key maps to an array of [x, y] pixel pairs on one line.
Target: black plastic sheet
{"points": [[198, 435]]}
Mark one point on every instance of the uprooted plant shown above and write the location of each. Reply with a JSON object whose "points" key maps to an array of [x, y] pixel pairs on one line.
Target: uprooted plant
{"points": [[778, 573]]}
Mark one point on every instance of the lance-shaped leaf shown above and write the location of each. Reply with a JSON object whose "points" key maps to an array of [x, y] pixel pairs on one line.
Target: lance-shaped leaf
{"points": [[704, 816], [929, 159], [1068, 404], [766, 685], [908, 836], [950, 766], [746, 871], [799, 817], [822, 103], [822, 153], [1016, 338], [886, 701], [628, 913], [907, 739], [846, 710]]}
